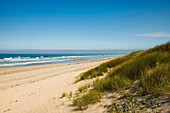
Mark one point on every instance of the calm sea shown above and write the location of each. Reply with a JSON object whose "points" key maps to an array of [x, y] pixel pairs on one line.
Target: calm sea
{"points": [[14, 60]]}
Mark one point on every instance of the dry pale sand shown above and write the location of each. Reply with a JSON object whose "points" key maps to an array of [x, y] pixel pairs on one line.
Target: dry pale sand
{"points": [[37, 89]]}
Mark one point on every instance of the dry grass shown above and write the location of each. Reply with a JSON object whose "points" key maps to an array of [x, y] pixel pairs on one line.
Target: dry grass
{"points": [[151, 67]]}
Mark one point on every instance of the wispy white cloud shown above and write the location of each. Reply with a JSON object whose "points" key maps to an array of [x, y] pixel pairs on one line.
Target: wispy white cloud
{"points": [[159, 34]]}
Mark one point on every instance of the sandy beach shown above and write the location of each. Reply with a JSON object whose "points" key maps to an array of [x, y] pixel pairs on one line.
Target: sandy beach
{"points": [[37, 89]]}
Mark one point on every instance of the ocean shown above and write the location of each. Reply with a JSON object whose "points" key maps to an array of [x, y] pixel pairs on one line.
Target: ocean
{"points": [[15, 60]]}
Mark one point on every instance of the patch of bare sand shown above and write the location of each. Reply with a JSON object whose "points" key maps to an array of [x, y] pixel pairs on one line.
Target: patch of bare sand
{"points": [[37, 89]]}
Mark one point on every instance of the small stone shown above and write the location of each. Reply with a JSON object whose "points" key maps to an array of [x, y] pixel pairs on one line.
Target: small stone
{"points": [[105, 106], [120, 98], [133, 111], [141, 108], [108, 106], [153, 107], [148, 105]]}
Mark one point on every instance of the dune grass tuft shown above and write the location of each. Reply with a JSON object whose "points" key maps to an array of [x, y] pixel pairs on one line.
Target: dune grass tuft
{"points": [[156, 82], [63, 95], [84, 88], [71, 94], [89, 98]]}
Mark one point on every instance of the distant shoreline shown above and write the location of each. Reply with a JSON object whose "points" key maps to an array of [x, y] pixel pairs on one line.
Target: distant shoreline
{"points": [[39, 66], [22, 60]]}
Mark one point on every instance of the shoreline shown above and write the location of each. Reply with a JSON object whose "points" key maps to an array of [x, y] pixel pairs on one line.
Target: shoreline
{"points": [[3, 70], [38, 88], [29, 60]]}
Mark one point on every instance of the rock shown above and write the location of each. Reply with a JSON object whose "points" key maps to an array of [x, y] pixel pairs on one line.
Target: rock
{"points": [[143, 102], [148, 105], [108, 106], [141, 108], [153, 107], [120, 98]]}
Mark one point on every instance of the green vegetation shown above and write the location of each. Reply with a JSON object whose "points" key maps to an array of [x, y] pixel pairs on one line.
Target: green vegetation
{"points": [[150, 67], [84, 88], [71, 94], [7, 110], [62, 104], [54, 98], [157, 81], [89, 98], [63, 95], [103, 68]]}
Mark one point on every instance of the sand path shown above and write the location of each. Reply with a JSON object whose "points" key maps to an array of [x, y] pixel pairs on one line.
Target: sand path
{"points": [[37, 89]]}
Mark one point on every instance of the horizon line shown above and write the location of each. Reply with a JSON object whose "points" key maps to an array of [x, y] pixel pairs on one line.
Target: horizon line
{"points": [[76, 49]]}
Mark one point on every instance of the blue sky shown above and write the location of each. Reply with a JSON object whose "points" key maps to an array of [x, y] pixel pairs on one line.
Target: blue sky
{"points": [[83, 24]]}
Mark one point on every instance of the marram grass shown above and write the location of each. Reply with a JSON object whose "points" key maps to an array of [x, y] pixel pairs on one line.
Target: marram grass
{"points": [[151, 67], [103, 68]]}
